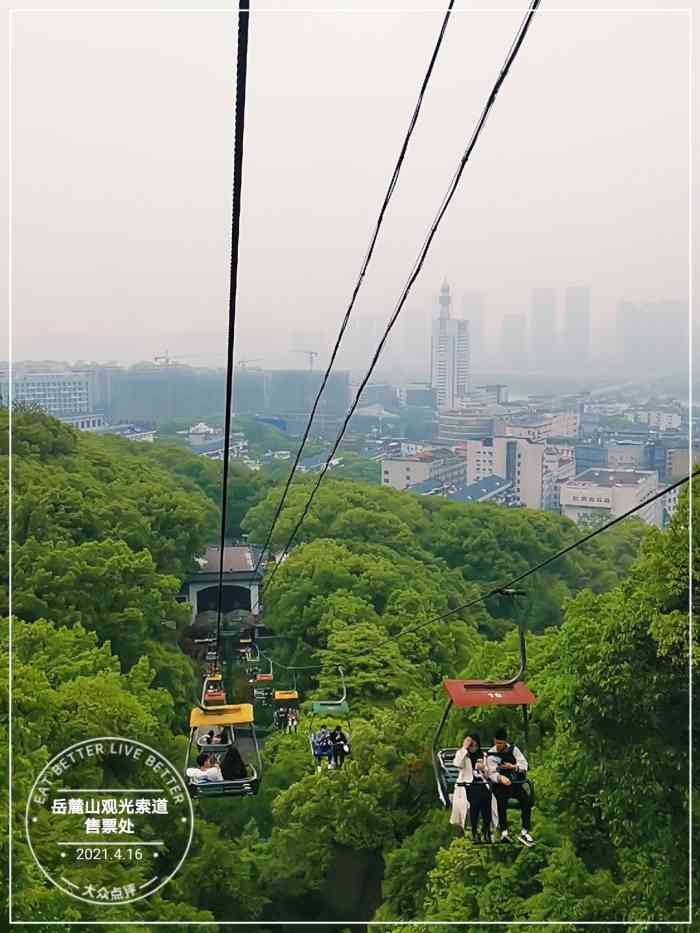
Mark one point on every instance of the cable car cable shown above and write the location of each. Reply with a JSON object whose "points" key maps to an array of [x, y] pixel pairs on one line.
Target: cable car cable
{"points": [[502, 589], [363, 269], [239, 121], [418, 265]]}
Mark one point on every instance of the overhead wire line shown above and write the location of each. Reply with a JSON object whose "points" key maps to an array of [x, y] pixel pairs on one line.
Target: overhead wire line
{"points": [[499, 589], [418, 265], [239, 122], [363, 269], [273, 663]]}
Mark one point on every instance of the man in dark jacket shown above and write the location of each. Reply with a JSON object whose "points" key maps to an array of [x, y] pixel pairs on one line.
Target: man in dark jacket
{"points": [[507, 772]]}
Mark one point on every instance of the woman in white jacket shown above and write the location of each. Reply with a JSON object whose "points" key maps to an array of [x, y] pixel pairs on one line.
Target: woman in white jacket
{"points": [[474, 799]]}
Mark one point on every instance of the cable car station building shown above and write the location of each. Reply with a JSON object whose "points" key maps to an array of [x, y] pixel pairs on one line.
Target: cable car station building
{"points": [[241, 582]]}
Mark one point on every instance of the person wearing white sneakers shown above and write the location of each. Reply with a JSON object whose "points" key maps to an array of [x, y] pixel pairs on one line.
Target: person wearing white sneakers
{"points": [[507, 772]]}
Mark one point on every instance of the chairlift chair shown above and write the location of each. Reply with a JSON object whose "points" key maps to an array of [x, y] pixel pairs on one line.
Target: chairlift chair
{"points": [[238, 727], [213, 693], [286, 699], [473, 694], [340, 706]]}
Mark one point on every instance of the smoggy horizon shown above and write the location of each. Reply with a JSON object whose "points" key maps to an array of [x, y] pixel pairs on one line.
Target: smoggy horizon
{"points": [[122, 177]]}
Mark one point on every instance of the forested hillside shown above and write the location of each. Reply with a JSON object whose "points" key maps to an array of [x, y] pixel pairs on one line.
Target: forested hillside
{"points": [[103, 531]]}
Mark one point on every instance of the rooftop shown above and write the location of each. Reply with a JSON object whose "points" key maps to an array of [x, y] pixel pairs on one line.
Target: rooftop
{"points": [[529, 421], [611, 478], [488, 486], [237, 559], [377, 411], [426, 487]]}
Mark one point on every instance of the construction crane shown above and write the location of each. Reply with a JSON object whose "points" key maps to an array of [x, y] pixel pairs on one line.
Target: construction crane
{"points": [[166, 359], [311, 354]]}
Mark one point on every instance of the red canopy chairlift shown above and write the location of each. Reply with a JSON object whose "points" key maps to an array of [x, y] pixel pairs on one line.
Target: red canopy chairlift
{"points": [[476, 693]]}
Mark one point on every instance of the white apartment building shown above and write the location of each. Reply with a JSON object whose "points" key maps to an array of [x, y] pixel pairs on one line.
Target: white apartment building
{"points": [[90, 421], [611, 493], [402, 472], [449, 355], [59, 394], [660, 420], [559, 467], [518, 460], [670, 504], [201, 433], [536, 470]]}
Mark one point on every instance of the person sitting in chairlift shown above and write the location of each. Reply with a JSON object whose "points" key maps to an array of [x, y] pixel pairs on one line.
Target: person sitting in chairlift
{"points": [[340, 745], [507, 772], [292, 721], [323, 747], [473, 771], [207, 770], [233, 767]]}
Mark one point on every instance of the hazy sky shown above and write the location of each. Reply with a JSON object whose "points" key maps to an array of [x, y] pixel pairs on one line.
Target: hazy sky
{"points": [[122, 149]]}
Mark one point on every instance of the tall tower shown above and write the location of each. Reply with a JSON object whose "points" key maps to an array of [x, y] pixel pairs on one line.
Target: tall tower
{"points": [[445, 300], [449, 354]]}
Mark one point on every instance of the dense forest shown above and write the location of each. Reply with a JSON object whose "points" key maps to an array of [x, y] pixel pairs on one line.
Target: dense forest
{"points": [[104, 530]]}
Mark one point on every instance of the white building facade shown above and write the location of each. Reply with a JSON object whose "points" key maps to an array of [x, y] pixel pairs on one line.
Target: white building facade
{"points": [[449, 355], [59, 394], [402, 472], [535, 470], [606, 494], [518, 460], [661, 420]]}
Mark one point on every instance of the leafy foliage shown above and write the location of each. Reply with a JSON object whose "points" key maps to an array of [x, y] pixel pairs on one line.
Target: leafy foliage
{"points": [[104, 532]]}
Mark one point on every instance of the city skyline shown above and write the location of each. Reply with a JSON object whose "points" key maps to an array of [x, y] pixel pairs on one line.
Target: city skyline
{"points": [[144, 258]]}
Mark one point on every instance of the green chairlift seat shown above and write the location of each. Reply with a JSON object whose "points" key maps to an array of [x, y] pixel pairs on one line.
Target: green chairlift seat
{"points": [[330, 707]]}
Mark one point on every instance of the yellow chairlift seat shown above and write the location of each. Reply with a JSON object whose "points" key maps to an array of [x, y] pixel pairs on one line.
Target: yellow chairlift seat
{"points": [[239, 714], [287, 697], [233, 719]]}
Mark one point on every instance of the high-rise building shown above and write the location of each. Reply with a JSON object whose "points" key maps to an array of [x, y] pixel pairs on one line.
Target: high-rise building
{"points": [[514, 341], [449, 354], [577, 326], [293, 391], [57, 393], [473, 308], [248, 391], [543, 327], [418, 395]]}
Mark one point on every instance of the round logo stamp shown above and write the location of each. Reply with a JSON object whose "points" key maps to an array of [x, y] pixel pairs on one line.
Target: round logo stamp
{"points": [[109, 820]]}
